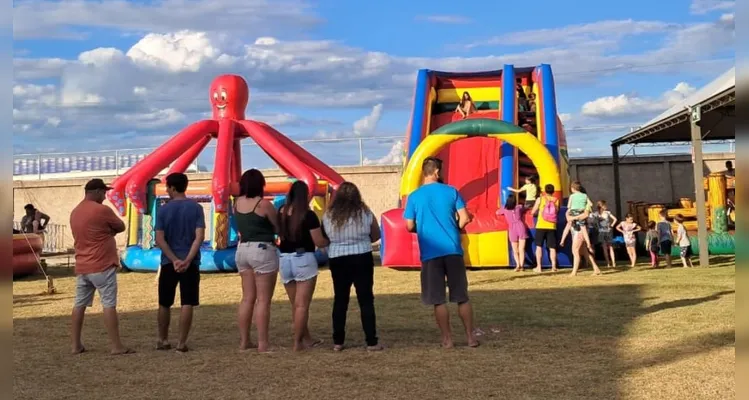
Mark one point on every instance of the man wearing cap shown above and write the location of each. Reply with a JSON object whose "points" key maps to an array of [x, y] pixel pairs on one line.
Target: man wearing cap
{"points": [[94, 227]]}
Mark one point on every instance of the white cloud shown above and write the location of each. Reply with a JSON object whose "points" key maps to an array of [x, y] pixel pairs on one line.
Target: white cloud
{"points": [[176, 52], [71, 19], [172, 69], [632, 104], [364, 126], [444, 19], [706, 6], [393, 157], [608, 31], [152, 119], [288, 119]]}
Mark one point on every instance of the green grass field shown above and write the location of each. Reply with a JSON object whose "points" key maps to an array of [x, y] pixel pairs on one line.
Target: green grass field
{"points": [[629, 334]]}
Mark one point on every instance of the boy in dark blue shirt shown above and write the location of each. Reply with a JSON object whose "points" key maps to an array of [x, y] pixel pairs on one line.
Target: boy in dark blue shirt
{"points": [[180, 231], [431, 213]]}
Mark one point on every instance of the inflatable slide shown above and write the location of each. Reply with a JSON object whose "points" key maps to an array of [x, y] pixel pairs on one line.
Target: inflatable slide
{"points": [[515, 132]]}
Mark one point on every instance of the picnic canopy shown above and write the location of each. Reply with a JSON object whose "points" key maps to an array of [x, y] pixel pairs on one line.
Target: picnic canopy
{"points": [[709, 114]]}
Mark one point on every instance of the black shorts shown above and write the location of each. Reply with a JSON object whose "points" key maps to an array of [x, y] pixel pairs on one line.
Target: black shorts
{"points": [[685, 251], [546, 235], [666, 247], [189, 285], [435, 272]]}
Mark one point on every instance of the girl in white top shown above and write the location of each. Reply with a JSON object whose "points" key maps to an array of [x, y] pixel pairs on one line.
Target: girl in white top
{"points": [[682, 239], [351, 228]]}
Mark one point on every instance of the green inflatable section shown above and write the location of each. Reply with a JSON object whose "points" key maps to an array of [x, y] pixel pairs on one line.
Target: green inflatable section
{"points": [[478, 127], [450, 107], [722, 243]]}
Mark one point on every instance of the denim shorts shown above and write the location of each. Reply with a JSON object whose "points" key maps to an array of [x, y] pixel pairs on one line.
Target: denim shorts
{"points": [[297, 267], [104, 282]]}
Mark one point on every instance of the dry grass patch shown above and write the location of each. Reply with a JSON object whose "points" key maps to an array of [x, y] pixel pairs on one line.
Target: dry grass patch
{"points": [[627, 334]]}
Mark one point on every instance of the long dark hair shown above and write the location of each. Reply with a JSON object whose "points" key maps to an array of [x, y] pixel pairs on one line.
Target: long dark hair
{"points": [[291, 215], [511, 202], [347, 203], [252, 184], [465, 97]]}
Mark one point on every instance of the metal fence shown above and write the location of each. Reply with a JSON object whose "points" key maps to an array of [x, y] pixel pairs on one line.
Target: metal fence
{"points": [[54, 237], [380, 150]]}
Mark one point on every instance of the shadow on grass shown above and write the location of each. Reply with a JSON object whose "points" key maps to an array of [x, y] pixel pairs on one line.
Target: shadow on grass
{"points": [[667, 305], [538, 343]]}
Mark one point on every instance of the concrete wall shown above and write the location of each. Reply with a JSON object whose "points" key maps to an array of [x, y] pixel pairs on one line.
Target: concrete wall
{"points": [[643, 178], [57, 197], [655, 179]]}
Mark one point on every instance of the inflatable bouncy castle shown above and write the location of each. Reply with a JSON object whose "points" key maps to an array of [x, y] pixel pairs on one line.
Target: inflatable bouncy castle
{"points": [[138, 196], [515, 132]]}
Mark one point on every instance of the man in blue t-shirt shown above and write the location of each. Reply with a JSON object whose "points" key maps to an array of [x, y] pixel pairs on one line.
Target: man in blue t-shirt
{"points": [[431, 213], [180, 231]]}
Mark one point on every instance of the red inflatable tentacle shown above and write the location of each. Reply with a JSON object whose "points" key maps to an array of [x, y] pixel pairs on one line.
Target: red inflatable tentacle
{"points": [[314, 163], [162, 157], [236, 160], [222, 166], [263, 135], [184, 161]]}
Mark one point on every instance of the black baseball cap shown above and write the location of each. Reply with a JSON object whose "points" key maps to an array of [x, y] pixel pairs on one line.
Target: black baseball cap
{"points": [[96, 184]]}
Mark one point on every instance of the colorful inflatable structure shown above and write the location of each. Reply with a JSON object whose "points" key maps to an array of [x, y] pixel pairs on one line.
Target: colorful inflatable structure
{"points": [[482, 155], [138, 196]]}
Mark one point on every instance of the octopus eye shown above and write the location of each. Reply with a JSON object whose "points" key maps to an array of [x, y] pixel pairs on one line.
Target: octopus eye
{"points": [[215, 95], [223, 95]]}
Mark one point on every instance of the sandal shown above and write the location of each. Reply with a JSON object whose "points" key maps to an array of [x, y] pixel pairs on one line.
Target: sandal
{"points": [[163, 346], [377, 347]]}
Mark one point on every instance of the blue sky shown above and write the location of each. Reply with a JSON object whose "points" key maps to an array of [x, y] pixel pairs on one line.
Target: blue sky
{"points": [[122, 74]]}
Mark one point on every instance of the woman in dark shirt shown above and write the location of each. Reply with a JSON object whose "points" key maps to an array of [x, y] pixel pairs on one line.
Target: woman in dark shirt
{"points": [[256, 258], [299, 234]]}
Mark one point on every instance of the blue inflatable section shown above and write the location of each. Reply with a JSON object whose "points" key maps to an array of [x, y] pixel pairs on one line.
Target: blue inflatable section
{"points": [[135, 258]]}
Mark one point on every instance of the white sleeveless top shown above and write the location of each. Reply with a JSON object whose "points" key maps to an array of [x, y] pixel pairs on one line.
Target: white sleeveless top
{"points": [[351, 238]]}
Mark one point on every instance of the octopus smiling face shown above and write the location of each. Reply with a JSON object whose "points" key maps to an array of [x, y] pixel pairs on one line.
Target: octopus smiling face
{"points": [[229, 97]]}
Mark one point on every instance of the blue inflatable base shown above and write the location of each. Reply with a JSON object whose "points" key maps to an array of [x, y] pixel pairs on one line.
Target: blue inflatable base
{"points": [[137, 259]]}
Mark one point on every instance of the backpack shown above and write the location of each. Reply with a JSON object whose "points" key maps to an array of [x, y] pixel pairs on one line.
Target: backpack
{"points": [[549, 213]]}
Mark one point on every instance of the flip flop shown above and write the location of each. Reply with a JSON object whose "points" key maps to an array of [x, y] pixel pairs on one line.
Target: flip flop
{"points": [[79, 351], [317, 343], [127, 351], [338, 347], [474, 345], [375, 348], [182, 349]]}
